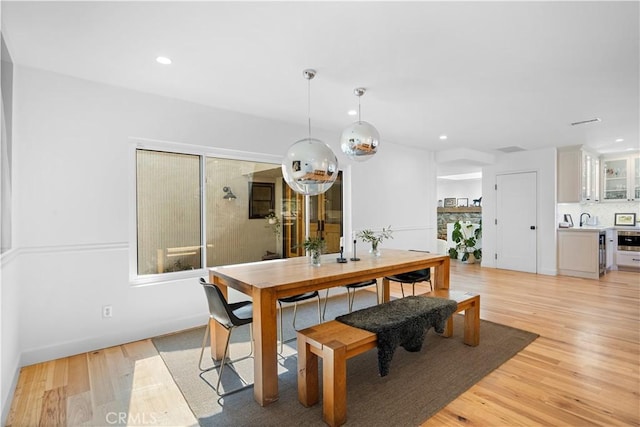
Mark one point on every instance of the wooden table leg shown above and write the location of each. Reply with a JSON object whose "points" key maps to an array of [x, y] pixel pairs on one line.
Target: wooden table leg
{"points": [[442, 274], [265, 363], [385, 293]]}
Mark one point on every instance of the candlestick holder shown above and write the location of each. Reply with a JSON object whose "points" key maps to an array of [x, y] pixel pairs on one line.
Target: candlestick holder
{"points": [[342, 259], [354, 258]]}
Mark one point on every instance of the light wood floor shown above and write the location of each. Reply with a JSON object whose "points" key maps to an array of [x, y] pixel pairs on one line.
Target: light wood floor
{"points": [[582, 370]]}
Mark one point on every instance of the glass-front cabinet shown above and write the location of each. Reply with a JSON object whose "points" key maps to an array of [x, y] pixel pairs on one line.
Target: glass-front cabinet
{"points": [[636, 181], [578, 175], [621, 178], [589, 183]]}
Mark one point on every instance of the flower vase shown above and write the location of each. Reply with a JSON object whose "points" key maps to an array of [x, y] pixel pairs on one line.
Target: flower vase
{"points": [[374, 249], [315, 258]]}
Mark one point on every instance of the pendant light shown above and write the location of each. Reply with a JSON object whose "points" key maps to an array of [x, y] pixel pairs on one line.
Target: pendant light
{"points": [[310, 166], [360, 140]]}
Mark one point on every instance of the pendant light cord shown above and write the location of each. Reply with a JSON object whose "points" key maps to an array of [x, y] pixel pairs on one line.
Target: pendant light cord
{"points": [[309, 105], [359, 116]]}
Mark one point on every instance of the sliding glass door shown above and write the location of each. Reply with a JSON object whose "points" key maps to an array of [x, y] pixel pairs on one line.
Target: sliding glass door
{"points": [[325, 219]]}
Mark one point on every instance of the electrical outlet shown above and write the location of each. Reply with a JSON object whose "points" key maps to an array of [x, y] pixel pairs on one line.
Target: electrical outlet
{"points": [[107, 311]]}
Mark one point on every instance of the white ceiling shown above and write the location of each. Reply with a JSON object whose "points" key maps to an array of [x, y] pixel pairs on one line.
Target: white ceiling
{"points": [[487, 74]]}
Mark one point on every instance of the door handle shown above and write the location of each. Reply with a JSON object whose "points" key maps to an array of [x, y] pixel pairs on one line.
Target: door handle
{"points": [[533, 227]]}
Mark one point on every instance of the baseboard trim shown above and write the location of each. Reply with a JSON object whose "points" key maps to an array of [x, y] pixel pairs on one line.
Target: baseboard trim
{"points": [[88, 344], [8, 399]]}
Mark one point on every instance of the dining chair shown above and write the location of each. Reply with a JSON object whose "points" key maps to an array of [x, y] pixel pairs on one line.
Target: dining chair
{"points": [[229, 316], [412, 277], [295, 299]]}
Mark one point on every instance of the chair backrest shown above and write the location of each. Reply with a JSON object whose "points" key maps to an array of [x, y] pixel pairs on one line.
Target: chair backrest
{"points": [[218, 306], [425, 273]]}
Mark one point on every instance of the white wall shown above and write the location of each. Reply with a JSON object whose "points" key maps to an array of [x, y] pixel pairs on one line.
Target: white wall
{"points": [[10, 350], [544, 163], [397, 188], [72, 212], [460, 189]]}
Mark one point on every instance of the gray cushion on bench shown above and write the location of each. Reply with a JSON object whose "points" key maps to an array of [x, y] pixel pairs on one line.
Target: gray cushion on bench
{"points": [[401, 322]]}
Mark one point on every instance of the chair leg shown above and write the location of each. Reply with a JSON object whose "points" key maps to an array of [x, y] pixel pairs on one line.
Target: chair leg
{"points": [[295, 310], [413, 288], [223, 363], [402, 288], [224, 359], [326, 299], [351, 295], [204, 344]]}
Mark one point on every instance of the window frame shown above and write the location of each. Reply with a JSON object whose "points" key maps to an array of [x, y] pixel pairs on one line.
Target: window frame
{"points": [[256, 203], [179, 148]]}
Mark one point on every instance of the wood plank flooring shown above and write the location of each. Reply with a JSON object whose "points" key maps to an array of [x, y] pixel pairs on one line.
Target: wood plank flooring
{"points": [[583, 369]]}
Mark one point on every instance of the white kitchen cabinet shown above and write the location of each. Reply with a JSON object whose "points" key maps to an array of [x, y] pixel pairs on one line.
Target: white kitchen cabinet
{"points": [[621, 178], [628, 259], [578, 175], [579, 253]]}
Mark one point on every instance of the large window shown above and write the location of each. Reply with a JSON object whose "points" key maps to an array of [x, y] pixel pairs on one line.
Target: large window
{"points": [[168, 212], [196, 211]]}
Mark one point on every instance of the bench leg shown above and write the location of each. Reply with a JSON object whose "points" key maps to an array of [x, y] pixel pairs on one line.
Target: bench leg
{"points": [[448, 329], [472, 324], [307, 373], [334, 389]]}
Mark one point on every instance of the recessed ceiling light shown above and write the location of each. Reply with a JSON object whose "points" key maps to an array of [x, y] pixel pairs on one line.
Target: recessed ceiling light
{"points": [[443, 137], [352, 112], [163, 60], [619, 140]]}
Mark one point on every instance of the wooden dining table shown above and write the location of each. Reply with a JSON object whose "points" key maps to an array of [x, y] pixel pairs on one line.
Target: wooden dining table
{"points": [[266, 281]]}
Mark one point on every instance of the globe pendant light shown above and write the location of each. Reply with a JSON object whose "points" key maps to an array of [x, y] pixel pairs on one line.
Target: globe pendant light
{"points": [[310, 166], [360, 140]]}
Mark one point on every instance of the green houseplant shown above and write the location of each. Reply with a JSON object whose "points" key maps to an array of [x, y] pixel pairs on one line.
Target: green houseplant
{"points": [[368, 235], [273, 222], [315, 246], [466, 241]]}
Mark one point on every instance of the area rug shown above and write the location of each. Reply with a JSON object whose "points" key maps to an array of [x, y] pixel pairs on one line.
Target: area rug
{"points": [[418, 385]]}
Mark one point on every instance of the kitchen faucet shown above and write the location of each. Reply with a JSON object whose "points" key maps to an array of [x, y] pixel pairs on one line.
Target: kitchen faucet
{"points": [[581, 215]]}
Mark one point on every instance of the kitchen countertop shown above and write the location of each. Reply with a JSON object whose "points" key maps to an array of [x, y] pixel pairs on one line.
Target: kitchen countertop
{"points": [[600, 228], [586, 228]]}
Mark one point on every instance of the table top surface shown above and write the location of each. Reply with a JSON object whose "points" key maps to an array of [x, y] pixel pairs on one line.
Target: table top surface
{"points": [[298, 271]]}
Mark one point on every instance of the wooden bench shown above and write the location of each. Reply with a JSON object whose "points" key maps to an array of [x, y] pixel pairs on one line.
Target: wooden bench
{"points": [[470, 304], [336, 342]]}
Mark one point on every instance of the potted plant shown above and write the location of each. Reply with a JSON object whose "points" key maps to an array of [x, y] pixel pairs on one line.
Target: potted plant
{"points": [[315, 246], [466, 241], [368, 235], [273, 222]]}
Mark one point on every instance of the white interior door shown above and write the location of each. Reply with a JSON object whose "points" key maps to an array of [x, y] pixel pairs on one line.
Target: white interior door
{"points": [[516, 222]]}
